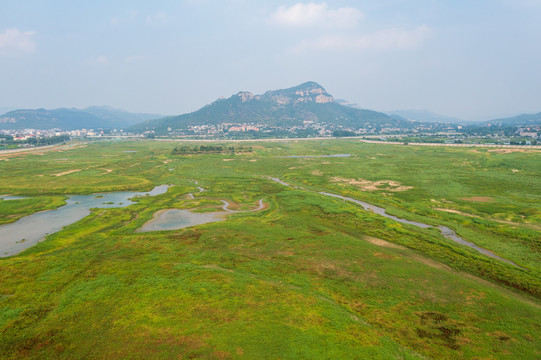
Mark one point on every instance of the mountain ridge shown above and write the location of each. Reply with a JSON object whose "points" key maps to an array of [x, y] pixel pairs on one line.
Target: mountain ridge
{"points": [[92, 117], [522, 119], [307, 102]]}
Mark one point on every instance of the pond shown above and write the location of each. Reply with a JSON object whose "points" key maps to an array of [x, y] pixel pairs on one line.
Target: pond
{"points": [[31, 229], [176, 219]]}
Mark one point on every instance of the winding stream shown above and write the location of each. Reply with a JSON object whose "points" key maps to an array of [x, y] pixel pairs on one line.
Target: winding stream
{"points": [[445, 231], [31, 229]]}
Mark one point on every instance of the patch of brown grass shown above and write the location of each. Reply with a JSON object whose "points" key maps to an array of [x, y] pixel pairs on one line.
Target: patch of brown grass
{"points": [[479, 199], [367, 185]]}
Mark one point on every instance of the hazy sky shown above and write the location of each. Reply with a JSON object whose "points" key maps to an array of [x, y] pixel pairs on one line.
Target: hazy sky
{"points": [[469, 59]]}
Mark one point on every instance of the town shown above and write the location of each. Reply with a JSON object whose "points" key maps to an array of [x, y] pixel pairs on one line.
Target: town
{"points": [[420, 133]]}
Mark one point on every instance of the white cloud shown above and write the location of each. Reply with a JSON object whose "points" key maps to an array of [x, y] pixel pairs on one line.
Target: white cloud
{"points": [[388, 39], [315, 15], [15, 41], [102, 60]]}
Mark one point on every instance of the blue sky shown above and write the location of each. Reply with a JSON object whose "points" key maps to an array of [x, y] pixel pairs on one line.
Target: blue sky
{"points": [[469, 59]]}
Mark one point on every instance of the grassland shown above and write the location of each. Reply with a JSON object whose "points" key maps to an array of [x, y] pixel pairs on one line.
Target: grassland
{"points": [[308, 277]]}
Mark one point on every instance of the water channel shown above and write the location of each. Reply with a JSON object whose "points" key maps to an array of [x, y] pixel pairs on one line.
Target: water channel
{"points": [[31, 229], [445, 231], [10, 197]]}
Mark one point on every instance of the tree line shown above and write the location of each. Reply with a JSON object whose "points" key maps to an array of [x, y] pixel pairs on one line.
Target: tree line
{"points": [[9, 141], [209, 149]]}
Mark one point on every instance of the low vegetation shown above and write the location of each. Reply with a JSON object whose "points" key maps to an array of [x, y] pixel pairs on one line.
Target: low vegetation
{"points": [[308, 277]]}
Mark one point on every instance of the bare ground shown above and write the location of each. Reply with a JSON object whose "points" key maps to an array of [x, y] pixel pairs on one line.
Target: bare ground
{"points": [[367, 185]]}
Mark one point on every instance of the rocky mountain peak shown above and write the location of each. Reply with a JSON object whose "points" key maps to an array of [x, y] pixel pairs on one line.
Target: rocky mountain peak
{"points": [[245, 96], [303, 93]]}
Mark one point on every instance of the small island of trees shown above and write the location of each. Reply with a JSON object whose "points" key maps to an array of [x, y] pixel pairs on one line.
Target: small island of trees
{"points": [[210, 149]]}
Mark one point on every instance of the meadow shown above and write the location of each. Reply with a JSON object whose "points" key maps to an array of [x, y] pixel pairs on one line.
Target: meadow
{"points": [[308, 277]]}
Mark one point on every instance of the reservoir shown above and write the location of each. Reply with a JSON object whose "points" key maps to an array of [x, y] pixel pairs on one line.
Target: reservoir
{"points": [[31, 229]]}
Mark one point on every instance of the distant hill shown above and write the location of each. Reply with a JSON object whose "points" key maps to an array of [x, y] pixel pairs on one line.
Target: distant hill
{"points": [[424, 116], [348, 103], [71, 119], [285, 107], [524, 119]]}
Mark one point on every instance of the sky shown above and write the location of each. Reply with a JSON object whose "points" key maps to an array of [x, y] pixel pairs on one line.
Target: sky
{"points": [[474, 60]]}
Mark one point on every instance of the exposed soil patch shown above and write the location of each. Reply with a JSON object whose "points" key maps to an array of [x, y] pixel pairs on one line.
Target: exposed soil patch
{"points": [[367, 185], [382, 243], [67, 172], [479, 199], [317, 173], [456, 212], [228, 159], [107, 171]]}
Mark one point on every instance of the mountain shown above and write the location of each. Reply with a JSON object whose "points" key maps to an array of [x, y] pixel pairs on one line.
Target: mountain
{"points": [[524, 119], [276, 108], [71, 119], [424, 116]]}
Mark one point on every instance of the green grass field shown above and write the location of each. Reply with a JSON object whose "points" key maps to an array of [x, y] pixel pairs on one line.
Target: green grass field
{"points": [[309, 277]]}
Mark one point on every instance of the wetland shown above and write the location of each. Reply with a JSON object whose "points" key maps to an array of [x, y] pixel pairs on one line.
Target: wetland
{"points": [[337, 257]]}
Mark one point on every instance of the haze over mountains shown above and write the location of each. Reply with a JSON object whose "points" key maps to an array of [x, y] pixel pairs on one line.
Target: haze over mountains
{"points": [[295, 106], [425, 116], [93, 117], [519, 120]]}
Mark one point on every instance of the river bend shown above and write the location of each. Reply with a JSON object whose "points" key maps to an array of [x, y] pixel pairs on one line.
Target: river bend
{"points": [[445, 231]]}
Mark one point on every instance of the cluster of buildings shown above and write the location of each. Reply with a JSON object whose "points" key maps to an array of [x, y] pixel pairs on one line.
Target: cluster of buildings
{"points": [[533, 132], [308, 126], [26, 136]]}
